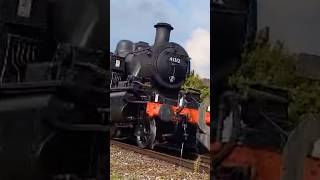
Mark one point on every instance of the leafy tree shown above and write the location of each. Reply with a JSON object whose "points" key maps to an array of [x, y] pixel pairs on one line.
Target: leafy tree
{"points": [[194, 81], [273, 65]]}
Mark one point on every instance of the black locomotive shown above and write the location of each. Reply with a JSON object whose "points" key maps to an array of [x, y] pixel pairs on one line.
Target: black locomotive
{"points": [[147, 100], [53, 89]]}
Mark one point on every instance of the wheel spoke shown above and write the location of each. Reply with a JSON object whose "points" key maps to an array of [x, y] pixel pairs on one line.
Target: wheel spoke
{"points": [[148, 137]]}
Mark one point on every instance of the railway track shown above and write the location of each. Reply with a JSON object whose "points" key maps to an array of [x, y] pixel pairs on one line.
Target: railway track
{"points": [[202, 163]]}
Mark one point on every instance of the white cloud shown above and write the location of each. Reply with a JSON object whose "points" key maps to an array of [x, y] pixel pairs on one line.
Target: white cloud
{"points": [[198, 48]]}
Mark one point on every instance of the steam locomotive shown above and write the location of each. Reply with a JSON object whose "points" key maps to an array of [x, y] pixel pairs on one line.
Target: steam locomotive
{"points": [[147, 101], [53, 89]]}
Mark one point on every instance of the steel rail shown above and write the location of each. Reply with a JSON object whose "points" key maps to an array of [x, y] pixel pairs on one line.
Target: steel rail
{"points": [[202, 164]]}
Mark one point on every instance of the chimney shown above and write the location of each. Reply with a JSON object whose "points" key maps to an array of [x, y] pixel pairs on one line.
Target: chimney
{"points": [[162, 33]]}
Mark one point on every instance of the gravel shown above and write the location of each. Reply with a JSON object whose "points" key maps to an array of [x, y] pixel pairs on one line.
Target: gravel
{"points": [[129, 165]]}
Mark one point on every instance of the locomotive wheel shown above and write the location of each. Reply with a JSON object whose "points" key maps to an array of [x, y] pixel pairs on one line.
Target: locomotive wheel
{"points": [[147, 135]]}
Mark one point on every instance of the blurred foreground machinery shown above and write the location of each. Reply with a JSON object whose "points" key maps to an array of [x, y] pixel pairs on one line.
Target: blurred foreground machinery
{"points": [[250, 140], [53, 89]]}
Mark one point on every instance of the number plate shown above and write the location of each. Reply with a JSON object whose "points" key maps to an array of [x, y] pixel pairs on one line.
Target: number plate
{"points": [[175, 60]]}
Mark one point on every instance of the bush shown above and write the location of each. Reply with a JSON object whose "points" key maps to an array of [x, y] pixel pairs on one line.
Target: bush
{"points": [[273, 65], [195, 82]]}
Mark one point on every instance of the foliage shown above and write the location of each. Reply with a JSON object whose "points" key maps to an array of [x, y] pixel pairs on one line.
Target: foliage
{"points": [[273, 65], [194, 81], [115, 177]]}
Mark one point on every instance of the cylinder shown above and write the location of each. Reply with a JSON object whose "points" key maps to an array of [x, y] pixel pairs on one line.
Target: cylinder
{"points": [[118, 108]]}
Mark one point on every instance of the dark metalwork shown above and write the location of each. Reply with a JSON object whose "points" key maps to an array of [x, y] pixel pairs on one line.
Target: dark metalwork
{"points": [[54, 102], [81, 23]]}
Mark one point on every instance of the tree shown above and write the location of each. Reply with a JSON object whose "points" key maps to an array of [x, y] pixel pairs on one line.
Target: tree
{"points": [[194, 81], [273, 65]]}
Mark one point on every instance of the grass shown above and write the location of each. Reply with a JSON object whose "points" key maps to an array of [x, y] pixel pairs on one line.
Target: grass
{"points": [[115, 177], [119, 177], [196, 165]]}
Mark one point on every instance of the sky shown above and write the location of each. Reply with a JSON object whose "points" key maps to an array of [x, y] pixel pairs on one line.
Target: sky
{"points": [[295, 22], [134, 20]]}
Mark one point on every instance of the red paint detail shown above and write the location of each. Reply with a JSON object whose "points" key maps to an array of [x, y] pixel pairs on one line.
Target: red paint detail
{"points": [[153, 110], [311, 169], [216, 146], [266, 162]]}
